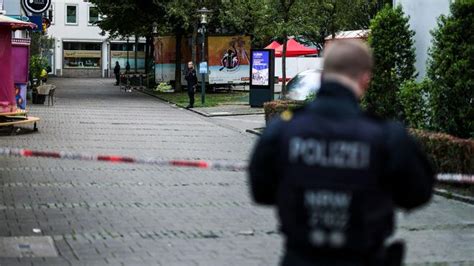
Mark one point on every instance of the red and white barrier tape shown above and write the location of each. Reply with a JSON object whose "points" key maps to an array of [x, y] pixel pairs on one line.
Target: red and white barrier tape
{"points": [[451, 178], [123, 159], [456, 178]]}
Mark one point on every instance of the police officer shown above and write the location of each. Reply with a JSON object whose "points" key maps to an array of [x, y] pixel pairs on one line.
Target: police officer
{"points": [[191, 79], [336, 174]]}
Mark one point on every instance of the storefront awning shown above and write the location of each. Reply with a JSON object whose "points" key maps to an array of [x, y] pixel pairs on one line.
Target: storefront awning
{"points": [[15, 24]]}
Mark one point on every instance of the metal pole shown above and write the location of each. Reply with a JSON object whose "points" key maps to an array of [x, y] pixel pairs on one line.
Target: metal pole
{"points": [[203, 59], [136, 53], [127, 51]]}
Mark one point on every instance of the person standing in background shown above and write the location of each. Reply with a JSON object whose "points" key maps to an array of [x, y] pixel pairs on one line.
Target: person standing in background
{"points": [[117, 73], [192, 81]]}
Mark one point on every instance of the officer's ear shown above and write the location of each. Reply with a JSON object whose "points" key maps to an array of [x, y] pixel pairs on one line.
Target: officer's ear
{"points": [[364, 81]]}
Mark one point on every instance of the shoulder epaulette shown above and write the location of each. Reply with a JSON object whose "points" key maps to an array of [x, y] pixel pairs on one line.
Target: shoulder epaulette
{"points": [[287, 115]]}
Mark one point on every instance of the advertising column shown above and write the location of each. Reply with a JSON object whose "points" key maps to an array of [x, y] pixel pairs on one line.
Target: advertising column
{"points": [[262, 71]]}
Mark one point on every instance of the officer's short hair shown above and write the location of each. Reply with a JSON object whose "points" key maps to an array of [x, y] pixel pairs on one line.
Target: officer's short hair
{"points": [[348, 57]]}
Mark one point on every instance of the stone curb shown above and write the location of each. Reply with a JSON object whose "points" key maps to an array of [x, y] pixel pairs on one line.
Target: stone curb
{"points": [[222, 115], [253, 131], [197, 111], [454, 196]]}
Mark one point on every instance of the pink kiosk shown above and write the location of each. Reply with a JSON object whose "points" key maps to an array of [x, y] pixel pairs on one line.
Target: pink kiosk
{"points": [[14, 61]]}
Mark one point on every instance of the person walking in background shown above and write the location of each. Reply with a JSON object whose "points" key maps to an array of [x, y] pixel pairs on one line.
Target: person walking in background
{"points": [[336, 174], [117, 73], [191, 79], [44, 75], [127, 68]]}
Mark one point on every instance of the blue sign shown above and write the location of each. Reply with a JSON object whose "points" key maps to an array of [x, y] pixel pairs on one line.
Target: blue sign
{"points": [[203, 68], [38, 20], [260, 68]]}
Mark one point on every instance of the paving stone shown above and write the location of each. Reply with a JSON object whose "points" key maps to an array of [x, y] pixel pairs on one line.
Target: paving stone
{"points": [[128, 214]]}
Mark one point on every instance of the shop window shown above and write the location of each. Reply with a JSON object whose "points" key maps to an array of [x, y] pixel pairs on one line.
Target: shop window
{"points": [[82, 46], [81, 62], [93, 15], [82, 55], [71, 14], [119, 54], [141, 47]]}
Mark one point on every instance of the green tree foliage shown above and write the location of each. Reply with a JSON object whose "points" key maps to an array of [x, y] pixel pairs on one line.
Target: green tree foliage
{"points": [[451, 69], [413, 97], [37, 64], [40, 43], [394, 54], [247, 17], [322, 18], [125, 18], [264, 20]]}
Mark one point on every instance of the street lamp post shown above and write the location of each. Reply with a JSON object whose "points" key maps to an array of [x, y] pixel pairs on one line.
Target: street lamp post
{"points": [[203, 12]]}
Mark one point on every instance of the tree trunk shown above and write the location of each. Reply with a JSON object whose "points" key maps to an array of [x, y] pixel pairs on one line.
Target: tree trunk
{"points": [[177, 72], [333, 14], [152, 57], [194, 44], [147, 60], [283, 68], [136, 53]]}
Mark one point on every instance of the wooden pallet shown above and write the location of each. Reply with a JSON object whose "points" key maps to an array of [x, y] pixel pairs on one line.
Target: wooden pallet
{"points": [[20, 117], [18, 112]]}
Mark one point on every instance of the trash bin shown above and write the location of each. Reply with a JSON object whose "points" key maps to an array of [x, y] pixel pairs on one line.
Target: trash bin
{"points": [[38, 98]]}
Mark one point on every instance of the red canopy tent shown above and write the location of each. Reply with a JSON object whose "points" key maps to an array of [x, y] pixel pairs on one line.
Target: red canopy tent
{"points": [[294, 49], [273, 45]]}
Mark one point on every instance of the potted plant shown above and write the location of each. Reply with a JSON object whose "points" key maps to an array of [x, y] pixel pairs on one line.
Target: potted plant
{"points": [[37, 65]]}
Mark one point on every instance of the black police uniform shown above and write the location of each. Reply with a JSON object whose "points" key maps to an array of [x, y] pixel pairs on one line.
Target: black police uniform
{"points": [[336, 175], [192, 80]]}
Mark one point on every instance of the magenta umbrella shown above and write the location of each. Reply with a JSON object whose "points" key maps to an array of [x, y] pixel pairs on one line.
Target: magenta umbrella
{"points": [[7, 87]]}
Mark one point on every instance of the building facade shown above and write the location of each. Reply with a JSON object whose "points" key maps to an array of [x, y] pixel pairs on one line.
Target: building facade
{"points": [[423, 18], [81, 48]]}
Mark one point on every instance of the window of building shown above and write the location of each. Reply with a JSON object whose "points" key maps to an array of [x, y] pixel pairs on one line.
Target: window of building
{"points": [[119, 54], [82, 46], [93, 15], [71, 14], [82, 55]]}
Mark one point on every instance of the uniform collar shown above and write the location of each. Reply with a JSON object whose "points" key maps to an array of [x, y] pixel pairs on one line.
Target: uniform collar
{"points": [[336, 89], [336, 98]]}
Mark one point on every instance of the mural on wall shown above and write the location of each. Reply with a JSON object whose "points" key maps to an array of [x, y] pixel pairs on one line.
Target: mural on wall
{"points": [[20, 95], [165, 57], [229, 60]]}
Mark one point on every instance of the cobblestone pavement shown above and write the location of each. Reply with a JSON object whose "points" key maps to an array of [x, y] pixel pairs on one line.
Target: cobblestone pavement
{"points": [[115, 214], [108, 214]]}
